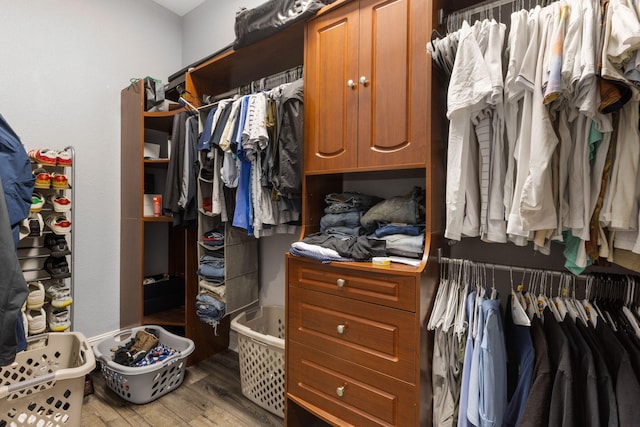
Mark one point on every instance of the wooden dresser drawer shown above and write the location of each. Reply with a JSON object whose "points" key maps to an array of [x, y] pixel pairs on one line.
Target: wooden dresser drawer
{"points": [[348, 391], [377, 337], [388, 289]]}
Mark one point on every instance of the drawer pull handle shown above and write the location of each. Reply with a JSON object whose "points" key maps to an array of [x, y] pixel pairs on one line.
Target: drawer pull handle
{"points": [[341, 329], [340, 391], [340, 282]]}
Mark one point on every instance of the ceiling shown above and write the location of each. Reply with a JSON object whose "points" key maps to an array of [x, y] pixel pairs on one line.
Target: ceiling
{"points": [[180, 7]]}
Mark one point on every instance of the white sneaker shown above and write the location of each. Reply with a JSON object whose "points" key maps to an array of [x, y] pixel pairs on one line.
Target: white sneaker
{"points": [[37, 320], [59, 319], [59, 295], [35, 299]]}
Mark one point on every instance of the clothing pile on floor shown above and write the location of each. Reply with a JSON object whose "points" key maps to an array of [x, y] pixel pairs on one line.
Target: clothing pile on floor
{"points": [[142, 350], [358, 227]]}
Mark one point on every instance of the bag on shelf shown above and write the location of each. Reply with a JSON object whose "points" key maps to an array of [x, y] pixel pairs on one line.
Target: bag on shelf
{"points": [[267, 19], [153, 94]]}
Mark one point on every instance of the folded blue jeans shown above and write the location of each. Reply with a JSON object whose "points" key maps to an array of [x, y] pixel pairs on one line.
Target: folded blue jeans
{"points": [[349, 202], [347, 219]]}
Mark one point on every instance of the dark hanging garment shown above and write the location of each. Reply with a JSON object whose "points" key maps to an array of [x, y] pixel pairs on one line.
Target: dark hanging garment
{"points": [[625, 383], [607, 406], [13, 289], [16, 187], [17, 178]]}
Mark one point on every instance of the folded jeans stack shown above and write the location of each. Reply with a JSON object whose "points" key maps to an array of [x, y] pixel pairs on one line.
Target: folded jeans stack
{"points": [[344, 211], [210, 309], [211, 268]]}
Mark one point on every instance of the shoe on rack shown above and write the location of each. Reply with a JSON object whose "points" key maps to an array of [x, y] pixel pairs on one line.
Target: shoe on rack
{"points": [[59, 181], [59, 319], [59, 295], [64, 158], [35, 299], [57, 245], [43, 178], [57, 267], [31, 226], [60, 203], [44, 156], [37, 202], [37, 321], [59, 224]]}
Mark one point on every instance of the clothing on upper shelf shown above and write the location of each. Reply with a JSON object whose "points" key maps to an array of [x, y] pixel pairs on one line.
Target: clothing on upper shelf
{"points": [[360, 226], [548, 149]]}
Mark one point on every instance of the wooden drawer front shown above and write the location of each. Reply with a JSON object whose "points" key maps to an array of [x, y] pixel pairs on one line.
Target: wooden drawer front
{"points": [[380, 288], [380, 338], [366, 397]]}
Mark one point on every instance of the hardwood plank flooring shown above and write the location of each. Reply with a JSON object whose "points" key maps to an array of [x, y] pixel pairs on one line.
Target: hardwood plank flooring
{"points": [[210, 395]]}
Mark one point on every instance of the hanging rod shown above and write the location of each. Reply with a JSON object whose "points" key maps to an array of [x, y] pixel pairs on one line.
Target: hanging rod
{"points": [[489, 5], [513, 269]]}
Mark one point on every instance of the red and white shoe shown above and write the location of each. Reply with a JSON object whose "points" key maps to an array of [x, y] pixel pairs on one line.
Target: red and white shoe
{"points": [[44, 156], [59, 224], [60, 203], [64, 158], [43, 178], [59, 181]]}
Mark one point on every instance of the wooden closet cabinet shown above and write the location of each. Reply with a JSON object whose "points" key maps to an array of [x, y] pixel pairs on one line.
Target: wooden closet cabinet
{"points": [[357, 352], [351, 343], [365, 87]]}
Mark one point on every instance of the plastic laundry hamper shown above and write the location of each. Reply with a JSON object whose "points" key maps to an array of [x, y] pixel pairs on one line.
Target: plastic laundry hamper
{"points": [[45, 384], [145, 383], [261, 355]]}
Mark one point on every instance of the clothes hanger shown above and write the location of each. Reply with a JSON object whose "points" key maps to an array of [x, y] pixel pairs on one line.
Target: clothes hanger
{"points": [[547, 296], [527, 300], [518, 313], [592, 314], [558, 301], [582, 314]]}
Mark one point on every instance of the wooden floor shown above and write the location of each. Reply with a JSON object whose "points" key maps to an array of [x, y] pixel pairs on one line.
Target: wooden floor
{"points": [[210, 395]]}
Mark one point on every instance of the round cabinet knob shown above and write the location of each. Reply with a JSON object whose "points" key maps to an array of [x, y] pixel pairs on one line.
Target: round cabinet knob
{"points": [[340, 282], [340, 391], [364, 81], [341, 328], [351, 84]]}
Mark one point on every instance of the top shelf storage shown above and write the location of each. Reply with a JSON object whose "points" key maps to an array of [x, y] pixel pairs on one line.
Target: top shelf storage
{"points": [[235, 68]]}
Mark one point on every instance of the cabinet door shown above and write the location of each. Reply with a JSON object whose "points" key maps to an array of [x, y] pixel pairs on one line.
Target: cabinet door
{"points": [[331, 105], [392, 84]]}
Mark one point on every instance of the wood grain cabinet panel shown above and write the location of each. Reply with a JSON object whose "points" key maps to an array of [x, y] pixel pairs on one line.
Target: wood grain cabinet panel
{"points": [[377, 337], [356, 395], [365, 87], [387, 289]]}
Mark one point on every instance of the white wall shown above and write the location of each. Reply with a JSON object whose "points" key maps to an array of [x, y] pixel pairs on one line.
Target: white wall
{"points": [[209, 28], [63, 65]]}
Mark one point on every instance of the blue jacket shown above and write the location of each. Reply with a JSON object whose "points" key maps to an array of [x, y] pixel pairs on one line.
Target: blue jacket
{"points": [[17, 178]]}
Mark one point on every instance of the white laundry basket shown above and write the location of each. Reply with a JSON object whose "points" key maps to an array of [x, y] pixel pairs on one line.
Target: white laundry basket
{"points": [[261, 356], [45, 384], [144, 383]]}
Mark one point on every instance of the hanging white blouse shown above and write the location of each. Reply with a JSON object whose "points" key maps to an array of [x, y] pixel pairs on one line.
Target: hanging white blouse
{"points": [[469, 88]]}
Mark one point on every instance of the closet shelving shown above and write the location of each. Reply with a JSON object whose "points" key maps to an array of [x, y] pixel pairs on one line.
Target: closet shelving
{"points": [[32, 251], [229, 72], [152, 249]]}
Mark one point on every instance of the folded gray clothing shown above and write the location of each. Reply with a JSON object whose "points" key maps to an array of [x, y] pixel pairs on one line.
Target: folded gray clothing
{"points": [[360, 248], [399, 209]]}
